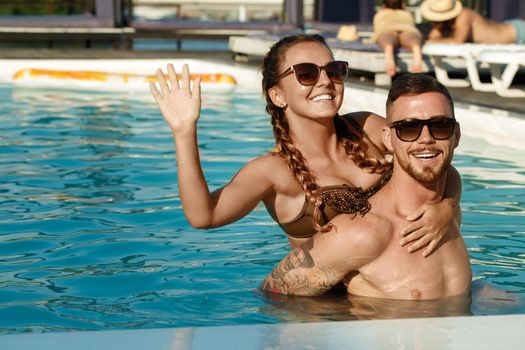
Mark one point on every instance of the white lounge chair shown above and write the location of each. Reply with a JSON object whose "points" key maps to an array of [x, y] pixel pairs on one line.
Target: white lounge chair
{"points": [[438, 53], [469, 54], [502, 79]]}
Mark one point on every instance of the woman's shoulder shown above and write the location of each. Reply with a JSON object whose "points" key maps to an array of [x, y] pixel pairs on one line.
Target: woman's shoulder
{"points": [[366, 120], [265, 169], [371, 125], [268, 163], [273, 170]]}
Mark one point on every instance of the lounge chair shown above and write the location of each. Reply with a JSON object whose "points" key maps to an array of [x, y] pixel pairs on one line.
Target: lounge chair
{"points": [[471, 57], [502, 79]]}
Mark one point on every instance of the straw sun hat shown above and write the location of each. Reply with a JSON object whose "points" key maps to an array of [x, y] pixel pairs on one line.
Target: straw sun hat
{"points": [[440, 10]]}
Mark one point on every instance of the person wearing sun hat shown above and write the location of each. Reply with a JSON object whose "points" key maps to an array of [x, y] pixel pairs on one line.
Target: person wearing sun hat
{"points": [[454, 23]]}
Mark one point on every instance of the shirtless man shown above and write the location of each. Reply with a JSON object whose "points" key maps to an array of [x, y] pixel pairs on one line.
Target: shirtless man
{"points": [[366, 254], [452, 23]]}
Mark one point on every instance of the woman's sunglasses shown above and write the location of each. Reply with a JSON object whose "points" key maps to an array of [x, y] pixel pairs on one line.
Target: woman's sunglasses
{"points": [[409, 130], [308, 74]]}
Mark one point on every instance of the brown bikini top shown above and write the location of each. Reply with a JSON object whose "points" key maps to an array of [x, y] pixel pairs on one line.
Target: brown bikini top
{"points": [[337, 199]]}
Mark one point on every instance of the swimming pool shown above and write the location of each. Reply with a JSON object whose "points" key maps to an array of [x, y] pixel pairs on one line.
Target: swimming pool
{"points": [[93, 236]]}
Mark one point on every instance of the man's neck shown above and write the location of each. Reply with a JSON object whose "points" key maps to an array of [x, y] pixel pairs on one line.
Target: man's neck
{"points": [[408, 194]]}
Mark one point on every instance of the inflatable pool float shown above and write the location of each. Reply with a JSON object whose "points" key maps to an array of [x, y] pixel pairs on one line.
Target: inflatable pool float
{"points": [[109, 81]]}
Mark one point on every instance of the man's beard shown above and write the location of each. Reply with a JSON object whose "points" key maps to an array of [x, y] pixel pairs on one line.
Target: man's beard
{"points": [[424, 175]]}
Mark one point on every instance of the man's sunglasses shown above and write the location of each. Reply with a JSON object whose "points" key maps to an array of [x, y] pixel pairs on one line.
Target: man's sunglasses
{"points": [[409, 130], [308, 74]]}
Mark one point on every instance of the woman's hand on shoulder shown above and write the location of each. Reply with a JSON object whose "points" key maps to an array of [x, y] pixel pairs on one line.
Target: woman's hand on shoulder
{"points": [[179, 103], [429, 227]]}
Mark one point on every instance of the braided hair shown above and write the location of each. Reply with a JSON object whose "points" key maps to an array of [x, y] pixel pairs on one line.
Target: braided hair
{"points": [[285, 147]]}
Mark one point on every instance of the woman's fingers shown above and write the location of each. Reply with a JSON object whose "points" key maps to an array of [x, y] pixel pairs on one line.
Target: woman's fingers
{"points": [[411, 237], [155, 92], [416, 215], [174, 80], [420, 243], [411, 228], [196, 88], [186, 78], [162, 82], [432, 246]]}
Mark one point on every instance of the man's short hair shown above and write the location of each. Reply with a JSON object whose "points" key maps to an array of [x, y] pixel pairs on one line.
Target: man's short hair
{"points": [[415, 84]]}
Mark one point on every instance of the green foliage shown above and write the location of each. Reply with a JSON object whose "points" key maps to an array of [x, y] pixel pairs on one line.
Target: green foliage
{"points": [[46, 7]]}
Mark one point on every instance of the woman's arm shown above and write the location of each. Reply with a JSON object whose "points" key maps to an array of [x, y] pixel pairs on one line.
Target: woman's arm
{"points": [[180, 105], [429, 225]]}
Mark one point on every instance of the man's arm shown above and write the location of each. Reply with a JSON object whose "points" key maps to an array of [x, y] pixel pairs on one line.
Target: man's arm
{"points": [[298, 274], [320, 263]]}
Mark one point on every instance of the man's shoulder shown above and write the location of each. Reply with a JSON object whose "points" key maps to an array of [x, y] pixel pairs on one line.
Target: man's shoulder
{"points": [[370, 232]]}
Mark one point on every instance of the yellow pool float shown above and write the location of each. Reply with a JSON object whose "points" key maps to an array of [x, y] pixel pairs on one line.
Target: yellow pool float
{"points": [[111, 81]]}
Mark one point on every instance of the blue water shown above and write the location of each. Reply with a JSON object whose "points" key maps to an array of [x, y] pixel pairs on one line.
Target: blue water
{"points": [[93, 236]]}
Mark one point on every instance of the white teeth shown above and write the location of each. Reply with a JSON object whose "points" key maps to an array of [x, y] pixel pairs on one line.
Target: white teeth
{"points": [[425, 155], [322, 97]]}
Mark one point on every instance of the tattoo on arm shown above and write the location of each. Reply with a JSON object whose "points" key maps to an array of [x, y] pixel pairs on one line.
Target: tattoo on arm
{"points": [[298, 274]]}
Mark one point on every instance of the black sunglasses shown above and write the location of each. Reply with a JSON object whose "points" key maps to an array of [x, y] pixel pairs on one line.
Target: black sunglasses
{"points": [[308, 74], [409, 130]]}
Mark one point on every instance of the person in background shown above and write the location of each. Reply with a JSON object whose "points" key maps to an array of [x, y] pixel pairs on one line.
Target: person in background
{"points": [[323, 163], [394, 27], [453, 23], [363, 252]]}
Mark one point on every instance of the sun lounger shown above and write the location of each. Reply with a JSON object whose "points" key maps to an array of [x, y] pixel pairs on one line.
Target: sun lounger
{"points": [[473, 56], [502, 79]]}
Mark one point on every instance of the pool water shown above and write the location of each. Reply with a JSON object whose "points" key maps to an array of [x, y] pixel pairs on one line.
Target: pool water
{"points": [[93, 235]]}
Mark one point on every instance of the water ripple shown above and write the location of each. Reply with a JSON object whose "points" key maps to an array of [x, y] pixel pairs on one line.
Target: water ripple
{"points": [[93, 235]]}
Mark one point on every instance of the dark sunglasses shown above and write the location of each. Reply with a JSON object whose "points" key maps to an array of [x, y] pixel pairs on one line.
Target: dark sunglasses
{"points": [[409, 130], [308, 74]]}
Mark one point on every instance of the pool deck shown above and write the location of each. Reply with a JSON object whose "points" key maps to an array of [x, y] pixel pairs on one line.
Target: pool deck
{"points": [[479, 333]]}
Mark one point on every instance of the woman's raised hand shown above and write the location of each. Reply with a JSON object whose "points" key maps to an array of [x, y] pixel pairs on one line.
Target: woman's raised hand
{"points": [[180, 104]]}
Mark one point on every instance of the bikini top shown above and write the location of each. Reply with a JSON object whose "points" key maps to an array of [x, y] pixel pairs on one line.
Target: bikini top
{"points": [[336, 199]]}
